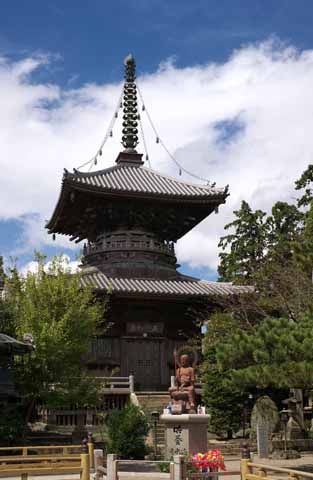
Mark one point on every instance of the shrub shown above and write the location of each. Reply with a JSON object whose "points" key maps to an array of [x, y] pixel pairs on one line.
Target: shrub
{"points": [[127, 431]]}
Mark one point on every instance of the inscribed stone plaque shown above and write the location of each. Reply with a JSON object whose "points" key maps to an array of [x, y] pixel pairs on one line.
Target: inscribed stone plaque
{"points": [[262, 439]]}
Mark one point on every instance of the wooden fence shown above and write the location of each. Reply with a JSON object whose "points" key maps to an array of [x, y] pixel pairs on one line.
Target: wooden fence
{"points": [[45, 465], [259, 471], [52, 460]]}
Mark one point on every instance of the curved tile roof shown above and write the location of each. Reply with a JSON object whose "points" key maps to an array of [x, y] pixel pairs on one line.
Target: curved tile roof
{"points": [[135, 179], [195, 288]]}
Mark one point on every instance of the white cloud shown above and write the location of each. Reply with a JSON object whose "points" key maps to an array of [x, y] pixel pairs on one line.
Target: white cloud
{"points": [[266, 88], [67, 264]]}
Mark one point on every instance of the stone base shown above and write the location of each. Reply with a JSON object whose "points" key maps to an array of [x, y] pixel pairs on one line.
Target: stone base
{"points": [[185, 434]]}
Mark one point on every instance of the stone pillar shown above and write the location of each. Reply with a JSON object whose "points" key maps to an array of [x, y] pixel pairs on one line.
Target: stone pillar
{"points": [[262, 434], [185, 434]]}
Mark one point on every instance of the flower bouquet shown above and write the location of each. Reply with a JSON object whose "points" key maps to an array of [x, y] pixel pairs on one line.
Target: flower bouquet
{"points": [[211, 461]]}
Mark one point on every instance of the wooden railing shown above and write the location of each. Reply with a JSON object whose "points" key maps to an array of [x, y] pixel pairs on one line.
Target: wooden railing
{"points": [[115, 394], [24, 465], [259, 471], [120, 383], [28, 450], [48, 452]]}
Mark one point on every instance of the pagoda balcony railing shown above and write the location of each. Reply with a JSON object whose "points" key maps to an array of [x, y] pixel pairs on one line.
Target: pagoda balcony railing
{"points": [[143, 245]]}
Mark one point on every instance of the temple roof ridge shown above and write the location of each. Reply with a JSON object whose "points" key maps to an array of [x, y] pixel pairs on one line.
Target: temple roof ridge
{"points": [[188, 188]]}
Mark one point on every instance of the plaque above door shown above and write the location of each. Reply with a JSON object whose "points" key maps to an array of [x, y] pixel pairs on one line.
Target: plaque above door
{"points": [[144, 329]]}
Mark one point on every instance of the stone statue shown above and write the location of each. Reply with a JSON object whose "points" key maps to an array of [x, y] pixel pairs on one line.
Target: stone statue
{"points": [[183, 393]]}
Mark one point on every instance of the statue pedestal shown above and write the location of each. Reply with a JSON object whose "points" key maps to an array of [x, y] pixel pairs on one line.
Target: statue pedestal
{"points": [[185, 434]]}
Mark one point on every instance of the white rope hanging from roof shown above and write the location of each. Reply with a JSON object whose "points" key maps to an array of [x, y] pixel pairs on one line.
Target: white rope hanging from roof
{"points": [[109, 133], [160, 141]]}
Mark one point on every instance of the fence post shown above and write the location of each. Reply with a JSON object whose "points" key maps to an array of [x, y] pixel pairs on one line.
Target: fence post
{"points": [[111, 466], [131, 383], [98, 456], [179, 470], [245, 459], [84, 458], [244, 468], [171, 471], [91, 449]]}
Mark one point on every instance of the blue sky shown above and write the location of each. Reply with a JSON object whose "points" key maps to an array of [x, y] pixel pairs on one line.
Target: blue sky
{"points": [[80, 43]]}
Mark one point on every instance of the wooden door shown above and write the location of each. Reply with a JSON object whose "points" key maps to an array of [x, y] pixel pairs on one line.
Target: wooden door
{"points": [[142, 357]]}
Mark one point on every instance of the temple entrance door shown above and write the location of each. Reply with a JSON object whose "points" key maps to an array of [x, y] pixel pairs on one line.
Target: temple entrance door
{"points": [[142, 357]]}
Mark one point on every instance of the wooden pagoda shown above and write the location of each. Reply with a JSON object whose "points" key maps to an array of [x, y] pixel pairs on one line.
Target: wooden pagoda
{"points": [[130, 217]]}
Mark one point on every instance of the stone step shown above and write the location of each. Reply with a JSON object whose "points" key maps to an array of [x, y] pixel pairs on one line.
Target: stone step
{"points": [[150, 402]]}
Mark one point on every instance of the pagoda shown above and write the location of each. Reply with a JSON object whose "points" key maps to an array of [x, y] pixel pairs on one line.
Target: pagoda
{"points": [[130, 217]]}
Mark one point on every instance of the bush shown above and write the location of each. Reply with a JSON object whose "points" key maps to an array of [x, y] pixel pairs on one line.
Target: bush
{"points": [[13, 428], [127, 431]]}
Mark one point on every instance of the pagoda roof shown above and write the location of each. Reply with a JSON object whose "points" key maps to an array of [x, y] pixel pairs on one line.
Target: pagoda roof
{"points": [[186, 287], [134, 179], [124, 182]]}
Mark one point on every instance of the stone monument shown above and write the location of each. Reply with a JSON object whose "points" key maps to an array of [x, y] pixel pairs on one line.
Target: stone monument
{"points": [[185, 431], [264, 420]]}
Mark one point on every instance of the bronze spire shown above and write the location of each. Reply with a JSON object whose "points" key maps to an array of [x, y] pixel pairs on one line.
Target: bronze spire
{"points": [[130, 112]]}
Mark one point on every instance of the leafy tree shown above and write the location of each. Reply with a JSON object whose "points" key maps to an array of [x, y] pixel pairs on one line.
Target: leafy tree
{"points": [[243, 249], [223, 399], [127, 430], [63, 318]]}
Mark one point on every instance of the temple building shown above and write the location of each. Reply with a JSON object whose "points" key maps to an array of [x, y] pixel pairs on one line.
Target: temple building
{"points": [[129, 218]]}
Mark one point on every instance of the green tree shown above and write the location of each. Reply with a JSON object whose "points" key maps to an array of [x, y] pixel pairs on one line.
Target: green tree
{"points": [[276, 353], [223, 399], [63, 318], [305, 182], [127, 431], [244, 248], [285, 225]]}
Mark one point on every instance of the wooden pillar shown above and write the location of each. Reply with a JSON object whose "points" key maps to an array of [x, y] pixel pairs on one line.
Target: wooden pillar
{"points": [[91, 451], [244, 468], [84, 458]]}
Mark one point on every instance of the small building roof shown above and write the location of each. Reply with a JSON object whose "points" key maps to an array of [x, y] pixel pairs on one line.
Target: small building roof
{"points": [[168, 288], [11, 345]]}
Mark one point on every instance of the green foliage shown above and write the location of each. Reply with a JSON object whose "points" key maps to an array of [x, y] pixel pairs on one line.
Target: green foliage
{"points": [[223, 399], [276, 353], [63, 318], [262, 339], [305, 182], [257, 239], [244, 248], [13, 426], [127, 430]]}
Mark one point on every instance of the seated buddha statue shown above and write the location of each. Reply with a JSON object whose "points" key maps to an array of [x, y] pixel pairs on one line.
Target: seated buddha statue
{"points": [[183, 393]]}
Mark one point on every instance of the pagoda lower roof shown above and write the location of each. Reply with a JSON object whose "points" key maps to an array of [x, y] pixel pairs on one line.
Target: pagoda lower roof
{"points": [[169, 288], [136, 179]]}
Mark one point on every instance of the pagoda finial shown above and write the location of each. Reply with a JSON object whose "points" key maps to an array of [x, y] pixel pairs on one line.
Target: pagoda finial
{"points": [[130, 112]]}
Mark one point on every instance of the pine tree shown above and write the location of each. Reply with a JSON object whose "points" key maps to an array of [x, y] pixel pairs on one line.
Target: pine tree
{"points": [[276, 353], [223, 399], [244, 249]]}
